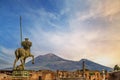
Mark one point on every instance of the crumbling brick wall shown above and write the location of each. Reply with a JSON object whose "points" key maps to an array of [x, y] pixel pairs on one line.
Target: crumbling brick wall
{"points": [[114, 76]]}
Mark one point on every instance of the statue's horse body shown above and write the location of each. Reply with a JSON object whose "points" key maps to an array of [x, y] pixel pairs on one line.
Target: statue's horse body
{"points": [[22, 54]]}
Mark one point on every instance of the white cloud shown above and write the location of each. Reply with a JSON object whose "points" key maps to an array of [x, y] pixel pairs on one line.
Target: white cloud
{"points": [[7, 54], [97, 43]]}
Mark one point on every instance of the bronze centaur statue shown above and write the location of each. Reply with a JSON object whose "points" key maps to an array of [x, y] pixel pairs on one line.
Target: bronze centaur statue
{"points": [[22, 54]]}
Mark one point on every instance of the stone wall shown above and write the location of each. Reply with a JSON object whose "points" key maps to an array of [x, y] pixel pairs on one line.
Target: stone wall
{"points": [[77, 75], [71, 79], [114, 76]]}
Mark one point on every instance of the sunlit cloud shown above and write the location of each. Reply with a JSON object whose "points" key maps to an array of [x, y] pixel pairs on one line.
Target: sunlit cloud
{"points": [[81, 41]]}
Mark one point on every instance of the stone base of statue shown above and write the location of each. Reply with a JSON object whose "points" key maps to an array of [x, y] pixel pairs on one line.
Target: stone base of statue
{"points": [[20, 75]]}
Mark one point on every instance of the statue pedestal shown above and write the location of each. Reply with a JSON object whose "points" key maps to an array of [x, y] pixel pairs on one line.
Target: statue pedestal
{"points": [[20, 75]]}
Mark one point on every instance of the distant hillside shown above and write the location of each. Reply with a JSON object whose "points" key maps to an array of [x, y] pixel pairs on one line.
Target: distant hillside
{"points": [[4, 64], [53, 62]]}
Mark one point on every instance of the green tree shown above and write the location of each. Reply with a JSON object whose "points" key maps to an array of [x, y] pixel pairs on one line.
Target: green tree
{"points": [[116, 68]]}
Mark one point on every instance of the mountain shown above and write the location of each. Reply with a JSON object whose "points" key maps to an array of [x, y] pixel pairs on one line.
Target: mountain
{"points": [[53, 62], [94, 66]]}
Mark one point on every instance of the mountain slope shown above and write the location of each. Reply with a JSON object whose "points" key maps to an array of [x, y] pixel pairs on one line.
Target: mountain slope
{"points": [[53, 62], [94, 66]]}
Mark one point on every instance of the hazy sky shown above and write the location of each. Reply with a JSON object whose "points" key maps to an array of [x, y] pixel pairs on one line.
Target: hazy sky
{"points": [[71, 29]]}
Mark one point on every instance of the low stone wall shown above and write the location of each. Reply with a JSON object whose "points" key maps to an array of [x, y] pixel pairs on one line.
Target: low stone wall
{"points": [[71, 79], [114, 76]]}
